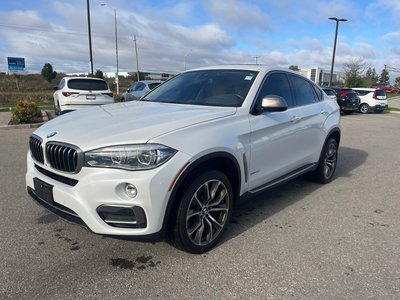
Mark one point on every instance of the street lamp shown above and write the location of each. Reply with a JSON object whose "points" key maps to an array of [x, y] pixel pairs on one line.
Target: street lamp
{"points": [[116, 43], [334, 45], [90, 38]]}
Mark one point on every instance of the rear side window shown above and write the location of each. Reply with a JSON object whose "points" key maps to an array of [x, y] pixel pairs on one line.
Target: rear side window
{"points": [[330, 92], [87, 85], [277, 84], [303, 91], [153, 85], [320, 96]]}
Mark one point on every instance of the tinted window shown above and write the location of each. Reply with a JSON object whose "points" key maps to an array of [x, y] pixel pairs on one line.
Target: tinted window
{"points": [[153, 85], [330, 92], [87, 84], [303, 91], [380, 93], [140, 86], [276, 84], [132, 87], [206, 87], [318, 92]]}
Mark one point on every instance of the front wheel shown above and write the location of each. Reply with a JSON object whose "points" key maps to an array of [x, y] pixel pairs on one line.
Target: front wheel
{"points": [[327, 163], [204, 212]]}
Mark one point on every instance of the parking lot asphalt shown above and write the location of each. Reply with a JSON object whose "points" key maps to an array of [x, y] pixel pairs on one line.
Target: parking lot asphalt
{"points": [[299, 241]]}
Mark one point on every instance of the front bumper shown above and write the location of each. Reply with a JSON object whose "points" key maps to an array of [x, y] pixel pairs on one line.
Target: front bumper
{"points": [[79, 198]]}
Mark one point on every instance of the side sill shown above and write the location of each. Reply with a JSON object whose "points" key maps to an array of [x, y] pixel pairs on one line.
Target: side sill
{"points": [[284, 178]]}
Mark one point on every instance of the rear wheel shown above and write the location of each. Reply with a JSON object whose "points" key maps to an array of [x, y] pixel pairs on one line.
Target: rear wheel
{"points": [[204, 212], [122, 99], [57, 109], [364, 108], [327, 163]]}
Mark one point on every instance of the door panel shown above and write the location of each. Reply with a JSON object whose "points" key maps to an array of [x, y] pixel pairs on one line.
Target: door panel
{"points": [[275, 139]]}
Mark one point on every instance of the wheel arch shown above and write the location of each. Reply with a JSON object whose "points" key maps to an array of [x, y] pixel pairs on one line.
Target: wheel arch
{"points": [[220, 161]]}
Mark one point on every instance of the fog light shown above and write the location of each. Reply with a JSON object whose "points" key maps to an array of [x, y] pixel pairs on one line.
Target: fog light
{"points": [[130, 190]]}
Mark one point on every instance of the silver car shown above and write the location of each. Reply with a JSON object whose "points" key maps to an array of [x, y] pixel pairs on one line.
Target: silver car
{"points": [[138, 89]]}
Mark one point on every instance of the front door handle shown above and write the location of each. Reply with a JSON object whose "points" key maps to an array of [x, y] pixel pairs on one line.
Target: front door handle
{"points": [[295, 119], [324, 112]]}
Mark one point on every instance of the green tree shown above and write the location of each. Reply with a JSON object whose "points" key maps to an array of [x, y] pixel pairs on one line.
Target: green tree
{"points": [[371, 78], [353, 73], [48, 73], [294, 68], [99, 74], [384, 78], [397, 82]]}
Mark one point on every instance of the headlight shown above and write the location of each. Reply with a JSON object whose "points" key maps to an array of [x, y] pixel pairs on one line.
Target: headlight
{"points": [[129, 157]]}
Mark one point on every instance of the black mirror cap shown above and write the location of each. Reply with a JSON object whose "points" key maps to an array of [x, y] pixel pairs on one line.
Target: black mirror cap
{"points": [[55, 88], [273, 103]]}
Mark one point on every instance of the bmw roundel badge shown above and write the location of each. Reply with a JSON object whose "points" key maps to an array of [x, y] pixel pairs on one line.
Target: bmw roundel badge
{"points": [[51, 134]]}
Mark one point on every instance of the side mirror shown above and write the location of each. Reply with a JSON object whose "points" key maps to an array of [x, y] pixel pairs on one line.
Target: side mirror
{"points": [[273, 103], [55, 88]]}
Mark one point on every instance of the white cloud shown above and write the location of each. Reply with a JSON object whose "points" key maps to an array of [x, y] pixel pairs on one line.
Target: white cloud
{"points": [[238, 14]]}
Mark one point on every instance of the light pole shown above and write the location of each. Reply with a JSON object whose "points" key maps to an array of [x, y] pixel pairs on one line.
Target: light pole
{"points": [[334, 45], [116, 43], [90, 38]]}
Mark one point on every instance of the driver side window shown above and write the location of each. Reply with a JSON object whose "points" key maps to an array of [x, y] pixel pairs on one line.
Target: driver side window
{"points": [[276, 84]]}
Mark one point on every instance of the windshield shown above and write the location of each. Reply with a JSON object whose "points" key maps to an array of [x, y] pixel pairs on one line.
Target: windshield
{"points": [[208, 87]]}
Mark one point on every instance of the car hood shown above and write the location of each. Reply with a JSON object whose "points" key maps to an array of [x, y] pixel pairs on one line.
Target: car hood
{"points": [[126, 123]]}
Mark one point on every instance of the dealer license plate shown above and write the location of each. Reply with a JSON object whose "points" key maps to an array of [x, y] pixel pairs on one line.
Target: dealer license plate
{"points": [[43, 190]]}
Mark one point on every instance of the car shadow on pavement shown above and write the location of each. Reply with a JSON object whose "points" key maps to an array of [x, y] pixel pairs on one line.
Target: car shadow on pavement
{"points": [[259, 208]]}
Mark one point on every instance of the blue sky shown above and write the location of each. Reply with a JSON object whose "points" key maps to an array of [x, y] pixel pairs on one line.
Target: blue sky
{"points": [[175, 34]]}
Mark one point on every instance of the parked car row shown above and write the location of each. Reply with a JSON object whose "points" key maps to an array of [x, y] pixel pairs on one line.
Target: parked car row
{"points": [[73, 93], [364, 100]]}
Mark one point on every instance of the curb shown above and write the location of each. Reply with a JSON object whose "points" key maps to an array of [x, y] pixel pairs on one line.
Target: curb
{"points": [[45, 115]]}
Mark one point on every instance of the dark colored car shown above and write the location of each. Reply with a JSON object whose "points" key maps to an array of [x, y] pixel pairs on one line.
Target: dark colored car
{"points": [[347, 99]]}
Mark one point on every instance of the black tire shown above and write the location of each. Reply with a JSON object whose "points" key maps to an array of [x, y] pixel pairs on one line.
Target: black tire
{"points": [[200, 221], [364, 108], [122, 99], [378, 110], [57, 109], [327, 163], [347, 112]]}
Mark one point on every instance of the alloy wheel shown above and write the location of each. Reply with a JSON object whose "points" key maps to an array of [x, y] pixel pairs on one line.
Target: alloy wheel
{"points": [[330, 160], [207, 212]]}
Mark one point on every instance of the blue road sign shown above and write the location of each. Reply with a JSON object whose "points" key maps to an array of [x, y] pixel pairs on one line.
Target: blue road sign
{"points": [[16, 63]]}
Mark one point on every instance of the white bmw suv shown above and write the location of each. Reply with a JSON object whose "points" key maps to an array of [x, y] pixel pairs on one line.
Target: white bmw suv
{"points": [[177, 160], [74, 93]]}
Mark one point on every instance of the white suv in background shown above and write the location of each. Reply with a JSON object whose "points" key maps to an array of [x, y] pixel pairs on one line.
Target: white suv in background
{"points": [[186, 152], [371, 99], [74, 93]]}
